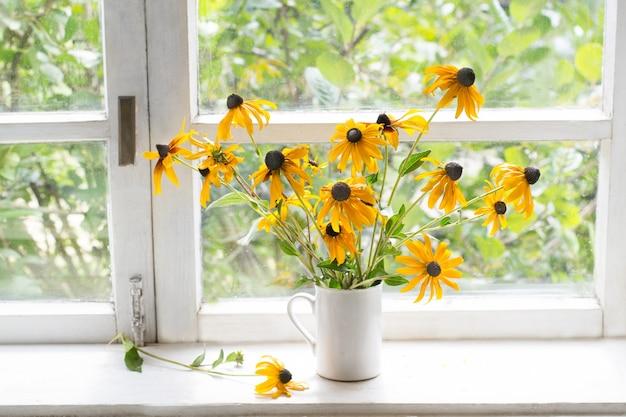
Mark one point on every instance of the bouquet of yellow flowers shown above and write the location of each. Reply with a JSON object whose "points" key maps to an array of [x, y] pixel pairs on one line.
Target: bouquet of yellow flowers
{"points": [[344, 231]]}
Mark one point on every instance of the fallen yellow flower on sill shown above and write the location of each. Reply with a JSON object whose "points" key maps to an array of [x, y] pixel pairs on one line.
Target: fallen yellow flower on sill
{"points": [[278, 378]]}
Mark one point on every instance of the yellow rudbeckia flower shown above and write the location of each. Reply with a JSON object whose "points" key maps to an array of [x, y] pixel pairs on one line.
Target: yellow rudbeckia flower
{"points": [[410, 122], [431, 269], [494, 209], [239, 112], [457, 83], [165, 155], [359, 144], [443, 182], [278, 378], [516, 182], [339, 242], [350, 203], [288, 163]]}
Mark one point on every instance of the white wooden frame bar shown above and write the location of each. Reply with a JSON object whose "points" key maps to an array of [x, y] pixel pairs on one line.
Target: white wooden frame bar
{"points": [[495, 125]]}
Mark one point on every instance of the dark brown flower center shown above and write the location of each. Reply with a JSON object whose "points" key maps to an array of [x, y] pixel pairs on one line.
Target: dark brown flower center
{"points": [[340, 191], [354, 135], [163, 150], [274, 159], [433, 268], [532, 175], [466, 77], [233, 101], [284, 376], [331, 232], [204, 171], [499, 207], [384, 120], [454, 170]]}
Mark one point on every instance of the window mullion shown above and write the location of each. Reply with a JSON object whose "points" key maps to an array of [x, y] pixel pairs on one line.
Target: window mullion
{"points": [[176, 212], [610, 246]]}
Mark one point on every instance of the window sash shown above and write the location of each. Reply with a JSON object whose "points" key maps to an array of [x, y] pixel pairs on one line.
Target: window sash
{"points": [[182, 317], [130, 197]]}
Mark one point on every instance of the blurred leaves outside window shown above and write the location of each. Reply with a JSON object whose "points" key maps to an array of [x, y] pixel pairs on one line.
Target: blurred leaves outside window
{"points": [[50, 55], [54, 241], [371, 54]]}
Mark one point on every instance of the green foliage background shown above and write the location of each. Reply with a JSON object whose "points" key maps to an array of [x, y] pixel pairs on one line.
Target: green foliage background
{"points": [[371, 54]]}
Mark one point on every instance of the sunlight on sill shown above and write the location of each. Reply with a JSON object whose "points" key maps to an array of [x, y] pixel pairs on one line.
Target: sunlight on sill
{"points": [[582, 377]]}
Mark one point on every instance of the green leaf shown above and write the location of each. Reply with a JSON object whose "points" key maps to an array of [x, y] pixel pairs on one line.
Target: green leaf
{"points": [[303, 280], [52, 73], [131, 358], [327, 264], [251, 5], [394, 226], [324, 90], [334, 10], [236, 357], [198, 361], [372, 179], [588, 61], [335, 69], [490, 248], [252, 232], [204, 8], [516, 155], [396, 280], [219, 360], [364, 10], [516, 42], [526, 10], [70, 28], [411, 163], [230, 199], [564, 73], [445, 221], [288, 248]]}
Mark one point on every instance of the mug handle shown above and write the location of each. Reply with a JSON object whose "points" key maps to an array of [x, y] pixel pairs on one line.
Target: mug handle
{"points": [[311, 300]]}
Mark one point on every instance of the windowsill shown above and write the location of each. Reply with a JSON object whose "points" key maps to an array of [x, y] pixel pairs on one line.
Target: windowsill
{"points": [[539, 377]]}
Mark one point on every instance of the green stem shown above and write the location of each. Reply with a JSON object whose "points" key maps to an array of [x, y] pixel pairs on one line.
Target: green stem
{"points": [[256, 148], [193, 368], [182, 161], [413, 147], [428, 225]]}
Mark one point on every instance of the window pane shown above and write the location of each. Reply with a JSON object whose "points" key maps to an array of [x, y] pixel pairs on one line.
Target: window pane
{"points": [[50, 55], [553, 250], [54, 242], [306, 54]]}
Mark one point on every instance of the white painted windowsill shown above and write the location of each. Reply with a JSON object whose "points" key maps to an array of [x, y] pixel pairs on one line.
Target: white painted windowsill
{"points": [[522, 377]]}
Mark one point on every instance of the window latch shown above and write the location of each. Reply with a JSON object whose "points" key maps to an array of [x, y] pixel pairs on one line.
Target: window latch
{"points": [[138, 323]]}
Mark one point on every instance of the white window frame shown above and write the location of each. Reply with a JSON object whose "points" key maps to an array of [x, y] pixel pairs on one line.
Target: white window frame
{"points": [[181, 317], [130, 224]]}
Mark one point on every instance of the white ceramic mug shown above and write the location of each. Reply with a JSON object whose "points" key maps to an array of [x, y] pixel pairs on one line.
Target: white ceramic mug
{"points": [[348, 339]]}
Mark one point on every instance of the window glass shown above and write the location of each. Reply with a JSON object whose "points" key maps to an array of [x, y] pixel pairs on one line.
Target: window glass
{"points": [[371, 54], [551, 251], [54, 242], [50, 55]]}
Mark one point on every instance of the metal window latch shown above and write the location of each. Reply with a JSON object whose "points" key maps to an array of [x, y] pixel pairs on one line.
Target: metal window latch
{"points": [[138, 323]]}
